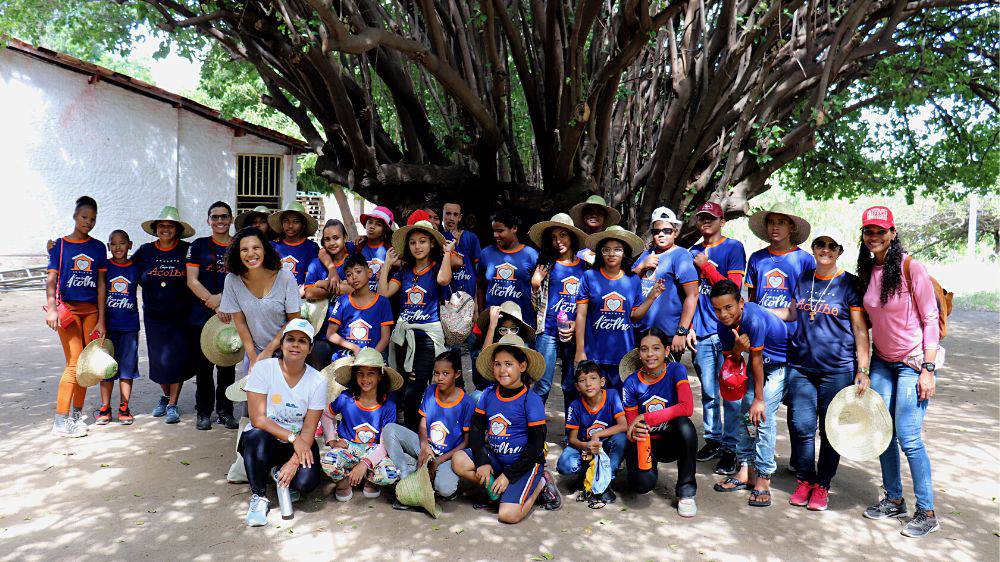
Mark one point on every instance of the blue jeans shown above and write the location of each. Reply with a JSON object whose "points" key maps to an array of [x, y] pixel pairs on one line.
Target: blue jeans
{"points": [[469, 344], [809, 396], [569, 462], [551, 349], [896, 383], [760, 451], [708, 365]]}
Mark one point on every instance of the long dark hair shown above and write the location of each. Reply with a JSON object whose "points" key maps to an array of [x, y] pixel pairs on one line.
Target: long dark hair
{"points": [[627, 258], [547, 253], [381, 390], [892, 271], [435, 256], [234, 264]]}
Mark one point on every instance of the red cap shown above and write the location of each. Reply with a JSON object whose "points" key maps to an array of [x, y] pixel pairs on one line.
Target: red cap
{"points": [[733, 380], [877, 216], [711, 208], [418, 215]]}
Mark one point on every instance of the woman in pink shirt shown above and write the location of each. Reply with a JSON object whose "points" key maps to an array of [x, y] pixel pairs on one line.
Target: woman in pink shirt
{"points": [[905, 335]]}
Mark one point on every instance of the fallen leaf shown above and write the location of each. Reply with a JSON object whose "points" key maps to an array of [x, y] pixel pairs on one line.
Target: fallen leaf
{"points": [[136, 494], [104, 465], [119, 541], [604, 522], [140, 523], [459, 531], [956, 512], [623, 509], [673, 546], [150, 511], [185, 463], [435, 527]]}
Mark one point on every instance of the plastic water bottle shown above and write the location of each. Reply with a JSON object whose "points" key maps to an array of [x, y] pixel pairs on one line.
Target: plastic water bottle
{"points": [[562, 320], [284, 497]]}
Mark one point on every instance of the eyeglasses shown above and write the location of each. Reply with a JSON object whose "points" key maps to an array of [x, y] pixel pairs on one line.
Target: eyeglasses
{"points": [[219, 217], [612, 251], [656, 231], [508, 330], [821, 245]]}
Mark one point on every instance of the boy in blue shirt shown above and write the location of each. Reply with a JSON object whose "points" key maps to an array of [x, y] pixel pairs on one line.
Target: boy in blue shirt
{"points": [[595, 421], [362, 318], [297, 251], [123, 327]]}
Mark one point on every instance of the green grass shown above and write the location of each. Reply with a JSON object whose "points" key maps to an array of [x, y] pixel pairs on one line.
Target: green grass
{"points": [[980, 300]]}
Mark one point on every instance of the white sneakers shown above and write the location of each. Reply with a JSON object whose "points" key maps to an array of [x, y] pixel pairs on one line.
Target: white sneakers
{"points": [[257, 513], [65, 426], [687, 507]]}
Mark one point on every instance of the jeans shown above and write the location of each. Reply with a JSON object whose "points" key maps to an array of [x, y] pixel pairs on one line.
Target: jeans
{"points": [[570, 463], [760, 451], [677, 442], [721, 417], [896, 383], [469, 344], [809, 395], [261, 451], [415, 383], [551, 349], [403, 448], [209, 395]]}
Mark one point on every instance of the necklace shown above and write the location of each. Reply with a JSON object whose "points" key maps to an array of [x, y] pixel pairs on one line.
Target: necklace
{"points": [[812, 307]]}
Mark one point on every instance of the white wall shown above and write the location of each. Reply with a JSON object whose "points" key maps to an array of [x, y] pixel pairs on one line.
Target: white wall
{"points": [[63, 138]]}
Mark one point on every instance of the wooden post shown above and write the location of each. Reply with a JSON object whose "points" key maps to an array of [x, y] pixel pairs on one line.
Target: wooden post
{"points": [[973, 219]]}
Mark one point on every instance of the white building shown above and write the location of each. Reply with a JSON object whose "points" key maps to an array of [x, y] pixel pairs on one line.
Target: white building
{"points": [[71, 128]]}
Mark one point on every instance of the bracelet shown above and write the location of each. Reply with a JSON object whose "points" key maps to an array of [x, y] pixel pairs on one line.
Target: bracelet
{"points": [[864, 371]]}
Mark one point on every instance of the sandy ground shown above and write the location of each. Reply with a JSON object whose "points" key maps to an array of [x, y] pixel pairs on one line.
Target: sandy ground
{"points": [[153, 491]]}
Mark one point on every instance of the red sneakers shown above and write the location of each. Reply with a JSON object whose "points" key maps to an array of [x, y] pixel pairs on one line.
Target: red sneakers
{"points": [[819, 499], [800, 497], [103, 416]]}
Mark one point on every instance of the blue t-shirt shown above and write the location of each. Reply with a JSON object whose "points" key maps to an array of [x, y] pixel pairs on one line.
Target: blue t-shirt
{"points": [[210, 258], [375, 255], [318, 272], [642, 395], [163, 276], [587, 421], [419, 294], [564, 285], [610, 333], [773, 276], [359, 424], [508, 276], [508, 420], [767, 332], [676, 268], [78, 271], [728, 256], [464, 278], [123, 287], [823, 341], [295, 258], [361, 326], [446, 423]]}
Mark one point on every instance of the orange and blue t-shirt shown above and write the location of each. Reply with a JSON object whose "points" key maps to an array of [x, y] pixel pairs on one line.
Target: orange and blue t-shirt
{"points": [[359, 424], [81, 261], [564, 285], [610, 302], [359, 325], [419, 294], [123, 286], [676, 268], [728, 256], [773, 276], [766, 331], [507, 274], [586, 421], [296, 257], [163, 276], [464, 278], [209, 256], [644, 393], [823, 341], [375, 256], [446, 422], [508, 420]]}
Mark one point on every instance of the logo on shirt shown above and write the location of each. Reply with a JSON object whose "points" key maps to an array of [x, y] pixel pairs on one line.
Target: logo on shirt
{"points": [[437, 433], [498, 425], [360, 330], [598, 425], [415, 295], [83, 262], [290, 264], [654, 404], [505, 271], [375, 265], [120, 285], [613, 302], [571, 285], [776, 279], [365, 433]]}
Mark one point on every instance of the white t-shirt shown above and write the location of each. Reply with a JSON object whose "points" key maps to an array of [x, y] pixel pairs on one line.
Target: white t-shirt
{"points": [[287, 406]]}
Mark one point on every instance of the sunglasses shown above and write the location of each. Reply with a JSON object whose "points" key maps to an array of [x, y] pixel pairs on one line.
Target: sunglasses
{"points": [[612, 251], [821, 245], [657, 231], [508, 331]]}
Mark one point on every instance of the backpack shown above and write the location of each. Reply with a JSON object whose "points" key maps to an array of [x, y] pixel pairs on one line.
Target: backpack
{"points": [[942, 296], [457, 314]]}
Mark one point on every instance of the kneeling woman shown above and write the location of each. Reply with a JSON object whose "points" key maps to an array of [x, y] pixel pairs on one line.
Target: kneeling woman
{"points": [[658, 406], [507, 437], [285, 399]]}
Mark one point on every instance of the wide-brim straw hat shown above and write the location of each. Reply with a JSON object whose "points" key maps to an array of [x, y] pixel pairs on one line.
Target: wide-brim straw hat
{"points": [[235, 392], [416, 490], [758, 223], [315, 312], [616, 232], [511, 309], [169, 214], [629, 364], [221, 343], [576, 211], [274, 221], [536, 363], [96, 363], [858, 427], [560, 220], [399, 238], [368, 357], [334, 388], [242, 218]]}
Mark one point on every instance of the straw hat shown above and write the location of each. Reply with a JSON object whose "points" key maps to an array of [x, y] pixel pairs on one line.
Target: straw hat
{"points": [[243, 217], [416, 490], [616, 232], [758, 224], [235, 392], [315, 312], [274, 221], [399, 238], [536, 363], [511, 309], [334, 388], [96, 363], [629, 364], [368, 357], [858, 427], [576, 211], [560, 220], [169, 214], [221, 343]]}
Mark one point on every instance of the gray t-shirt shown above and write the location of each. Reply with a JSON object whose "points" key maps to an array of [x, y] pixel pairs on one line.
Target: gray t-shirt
{"points": [[266, 316]]}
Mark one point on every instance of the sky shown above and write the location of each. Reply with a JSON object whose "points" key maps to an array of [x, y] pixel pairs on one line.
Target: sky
{"points": [[173, 73]]}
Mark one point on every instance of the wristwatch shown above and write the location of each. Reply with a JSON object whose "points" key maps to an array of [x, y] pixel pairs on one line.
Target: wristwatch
{"points": [[291, 437], [682, 331], [929, 366], [864, 371]]}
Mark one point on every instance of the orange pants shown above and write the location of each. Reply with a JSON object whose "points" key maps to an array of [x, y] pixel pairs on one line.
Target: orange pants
{"points": [[74, 337]]}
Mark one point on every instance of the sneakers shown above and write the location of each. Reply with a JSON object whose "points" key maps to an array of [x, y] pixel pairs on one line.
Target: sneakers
{"points": [[62, 426], [257, 513], [728, 464], [819, 499], [173, 414], [103, 416], [687, 507], [228, 420], [886, 509], [550, 496], [161, 409], [711, 450], [203, 423], [921, 524], [125, 415], [77, 416], [800, 497]]}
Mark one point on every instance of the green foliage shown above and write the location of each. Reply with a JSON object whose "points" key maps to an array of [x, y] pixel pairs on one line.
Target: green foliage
{"points": [[983, 300]]}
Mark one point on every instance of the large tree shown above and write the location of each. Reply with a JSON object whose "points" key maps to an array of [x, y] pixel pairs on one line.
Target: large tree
{"points": [[649, 102]]}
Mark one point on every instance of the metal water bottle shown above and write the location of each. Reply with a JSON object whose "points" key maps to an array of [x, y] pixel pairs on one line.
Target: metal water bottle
{"points": [[645, 453], [284, 497]]}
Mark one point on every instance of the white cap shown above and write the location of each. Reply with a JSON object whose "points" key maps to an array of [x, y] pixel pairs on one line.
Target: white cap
{"points": [[664, 214], [833, 234], [299, 325]]}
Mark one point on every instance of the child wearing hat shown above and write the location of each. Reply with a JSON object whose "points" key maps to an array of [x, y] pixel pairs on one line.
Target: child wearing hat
{"points": [[123, 327], [361, 318], [592, 216], [773, 272], [297, 251], [375, 243]]}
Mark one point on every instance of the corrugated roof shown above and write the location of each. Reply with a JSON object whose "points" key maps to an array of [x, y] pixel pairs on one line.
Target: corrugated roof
{"points": [[143, 88]]}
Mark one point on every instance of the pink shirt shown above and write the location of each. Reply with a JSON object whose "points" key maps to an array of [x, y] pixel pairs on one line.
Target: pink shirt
{"points": [[898, 328]]}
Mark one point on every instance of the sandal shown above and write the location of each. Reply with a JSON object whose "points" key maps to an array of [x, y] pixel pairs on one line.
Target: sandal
{"points": [[730, 484], [755, 502], [596, 502], [584, 496]]}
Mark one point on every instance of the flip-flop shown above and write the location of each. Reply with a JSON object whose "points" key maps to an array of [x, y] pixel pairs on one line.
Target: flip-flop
{"points": [[596, 502], [734, 482], [753, 502]]}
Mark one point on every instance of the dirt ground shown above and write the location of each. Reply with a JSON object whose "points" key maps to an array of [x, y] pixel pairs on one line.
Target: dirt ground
{"points": [[153, 491]]}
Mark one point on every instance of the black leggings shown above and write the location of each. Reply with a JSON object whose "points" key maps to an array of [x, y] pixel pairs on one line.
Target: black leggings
{"points": [[261, 451], [678, 441], [210, 391], [416, 382]]}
